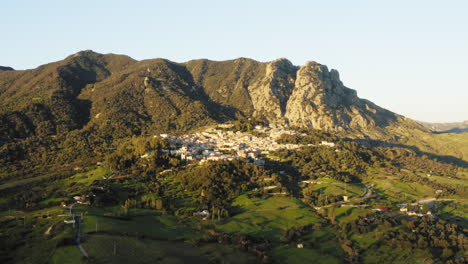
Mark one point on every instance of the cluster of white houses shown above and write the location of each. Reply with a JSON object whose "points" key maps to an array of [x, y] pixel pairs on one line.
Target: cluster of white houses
{"points": [[220, 144], [416, 210]]}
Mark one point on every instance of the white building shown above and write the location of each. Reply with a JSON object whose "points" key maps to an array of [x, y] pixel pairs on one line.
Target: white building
{"points": [[328, 144]]}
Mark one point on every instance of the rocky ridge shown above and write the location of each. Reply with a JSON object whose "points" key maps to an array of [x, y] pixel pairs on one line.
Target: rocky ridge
{"points": [[115, 93], [306, 96]]}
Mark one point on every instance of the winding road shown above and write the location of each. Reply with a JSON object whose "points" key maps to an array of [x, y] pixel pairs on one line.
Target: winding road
{"points": [[78, 231], [78, 237]]}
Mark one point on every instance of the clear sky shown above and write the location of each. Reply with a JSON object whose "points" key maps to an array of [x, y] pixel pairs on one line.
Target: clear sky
{"points": [[410, 57]]}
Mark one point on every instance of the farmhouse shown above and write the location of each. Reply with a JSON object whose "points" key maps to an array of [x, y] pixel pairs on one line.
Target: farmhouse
{"points": [[69, 221]]}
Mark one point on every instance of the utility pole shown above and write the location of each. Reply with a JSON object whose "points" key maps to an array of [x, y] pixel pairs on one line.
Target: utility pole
{"points": [[115, 249]]}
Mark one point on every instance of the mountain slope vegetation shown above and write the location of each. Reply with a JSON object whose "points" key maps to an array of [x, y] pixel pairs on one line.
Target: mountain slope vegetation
{"points": [[145, 157]]}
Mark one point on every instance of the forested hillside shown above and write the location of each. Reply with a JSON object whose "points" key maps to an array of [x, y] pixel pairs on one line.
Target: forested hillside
{"points": [[105, 159]]}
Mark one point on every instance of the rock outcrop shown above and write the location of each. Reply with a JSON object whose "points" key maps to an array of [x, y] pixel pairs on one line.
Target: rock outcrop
{"points": [[271, 93], [320, 100], [307, 96], [154, 94]]}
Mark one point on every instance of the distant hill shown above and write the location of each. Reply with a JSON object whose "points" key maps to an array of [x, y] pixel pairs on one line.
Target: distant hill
{"points": [[456, 127], [5, 68]]}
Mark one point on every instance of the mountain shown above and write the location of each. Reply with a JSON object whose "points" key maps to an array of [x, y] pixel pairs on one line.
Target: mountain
{"points": [[5, 68], [110, 96], [44, 101], [86, 86], [456, 127], [333, 176], [306, 96]]}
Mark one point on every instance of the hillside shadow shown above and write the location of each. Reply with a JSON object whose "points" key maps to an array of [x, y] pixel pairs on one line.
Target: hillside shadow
{"points": [[447, 159], [196, 92], [453, 130], [83, 113], [290, 177]]}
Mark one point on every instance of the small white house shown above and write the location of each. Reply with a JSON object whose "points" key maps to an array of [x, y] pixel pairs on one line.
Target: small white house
{"points": [[328, 144], [252, 155], [146, 155], [69, 221], [300, 245], [204, 214]]}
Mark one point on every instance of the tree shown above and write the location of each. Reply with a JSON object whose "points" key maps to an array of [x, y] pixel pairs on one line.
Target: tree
{"points": [[409, 206], [422, 243], [447, 253], [332, 215], [425, 208]]}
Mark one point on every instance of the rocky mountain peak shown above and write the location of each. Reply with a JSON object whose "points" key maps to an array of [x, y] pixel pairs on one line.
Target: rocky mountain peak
{"points": [[169, 95], [307, 96], [270, 93], [320, 100]]}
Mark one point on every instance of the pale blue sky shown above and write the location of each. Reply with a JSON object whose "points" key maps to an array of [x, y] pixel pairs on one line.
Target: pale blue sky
{"points": [[410, 57]]}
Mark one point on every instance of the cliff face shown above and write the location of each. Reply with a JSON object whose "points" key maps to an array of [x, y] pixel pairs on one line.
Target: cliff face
{"points": [[320, 100], [307, 96], [271, 93]]}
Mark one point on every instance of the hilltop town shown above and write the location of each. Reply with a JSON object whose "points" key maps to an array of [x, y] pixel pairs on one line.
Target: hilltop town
{"points": [[221, 143]]}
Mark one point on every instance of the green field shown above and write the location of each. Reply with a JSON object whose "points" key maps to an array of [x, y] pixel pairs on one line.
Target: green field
{"points": [[268, 217], [462, 180], [85, 178], [23, 181], [303, 255], [339, 189], [386, 254], [452, 144], [348, 214], [454, 211], [319, 246], [67, 255], [395, 190], [145, 239], [138, 222], [103, 248]]}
